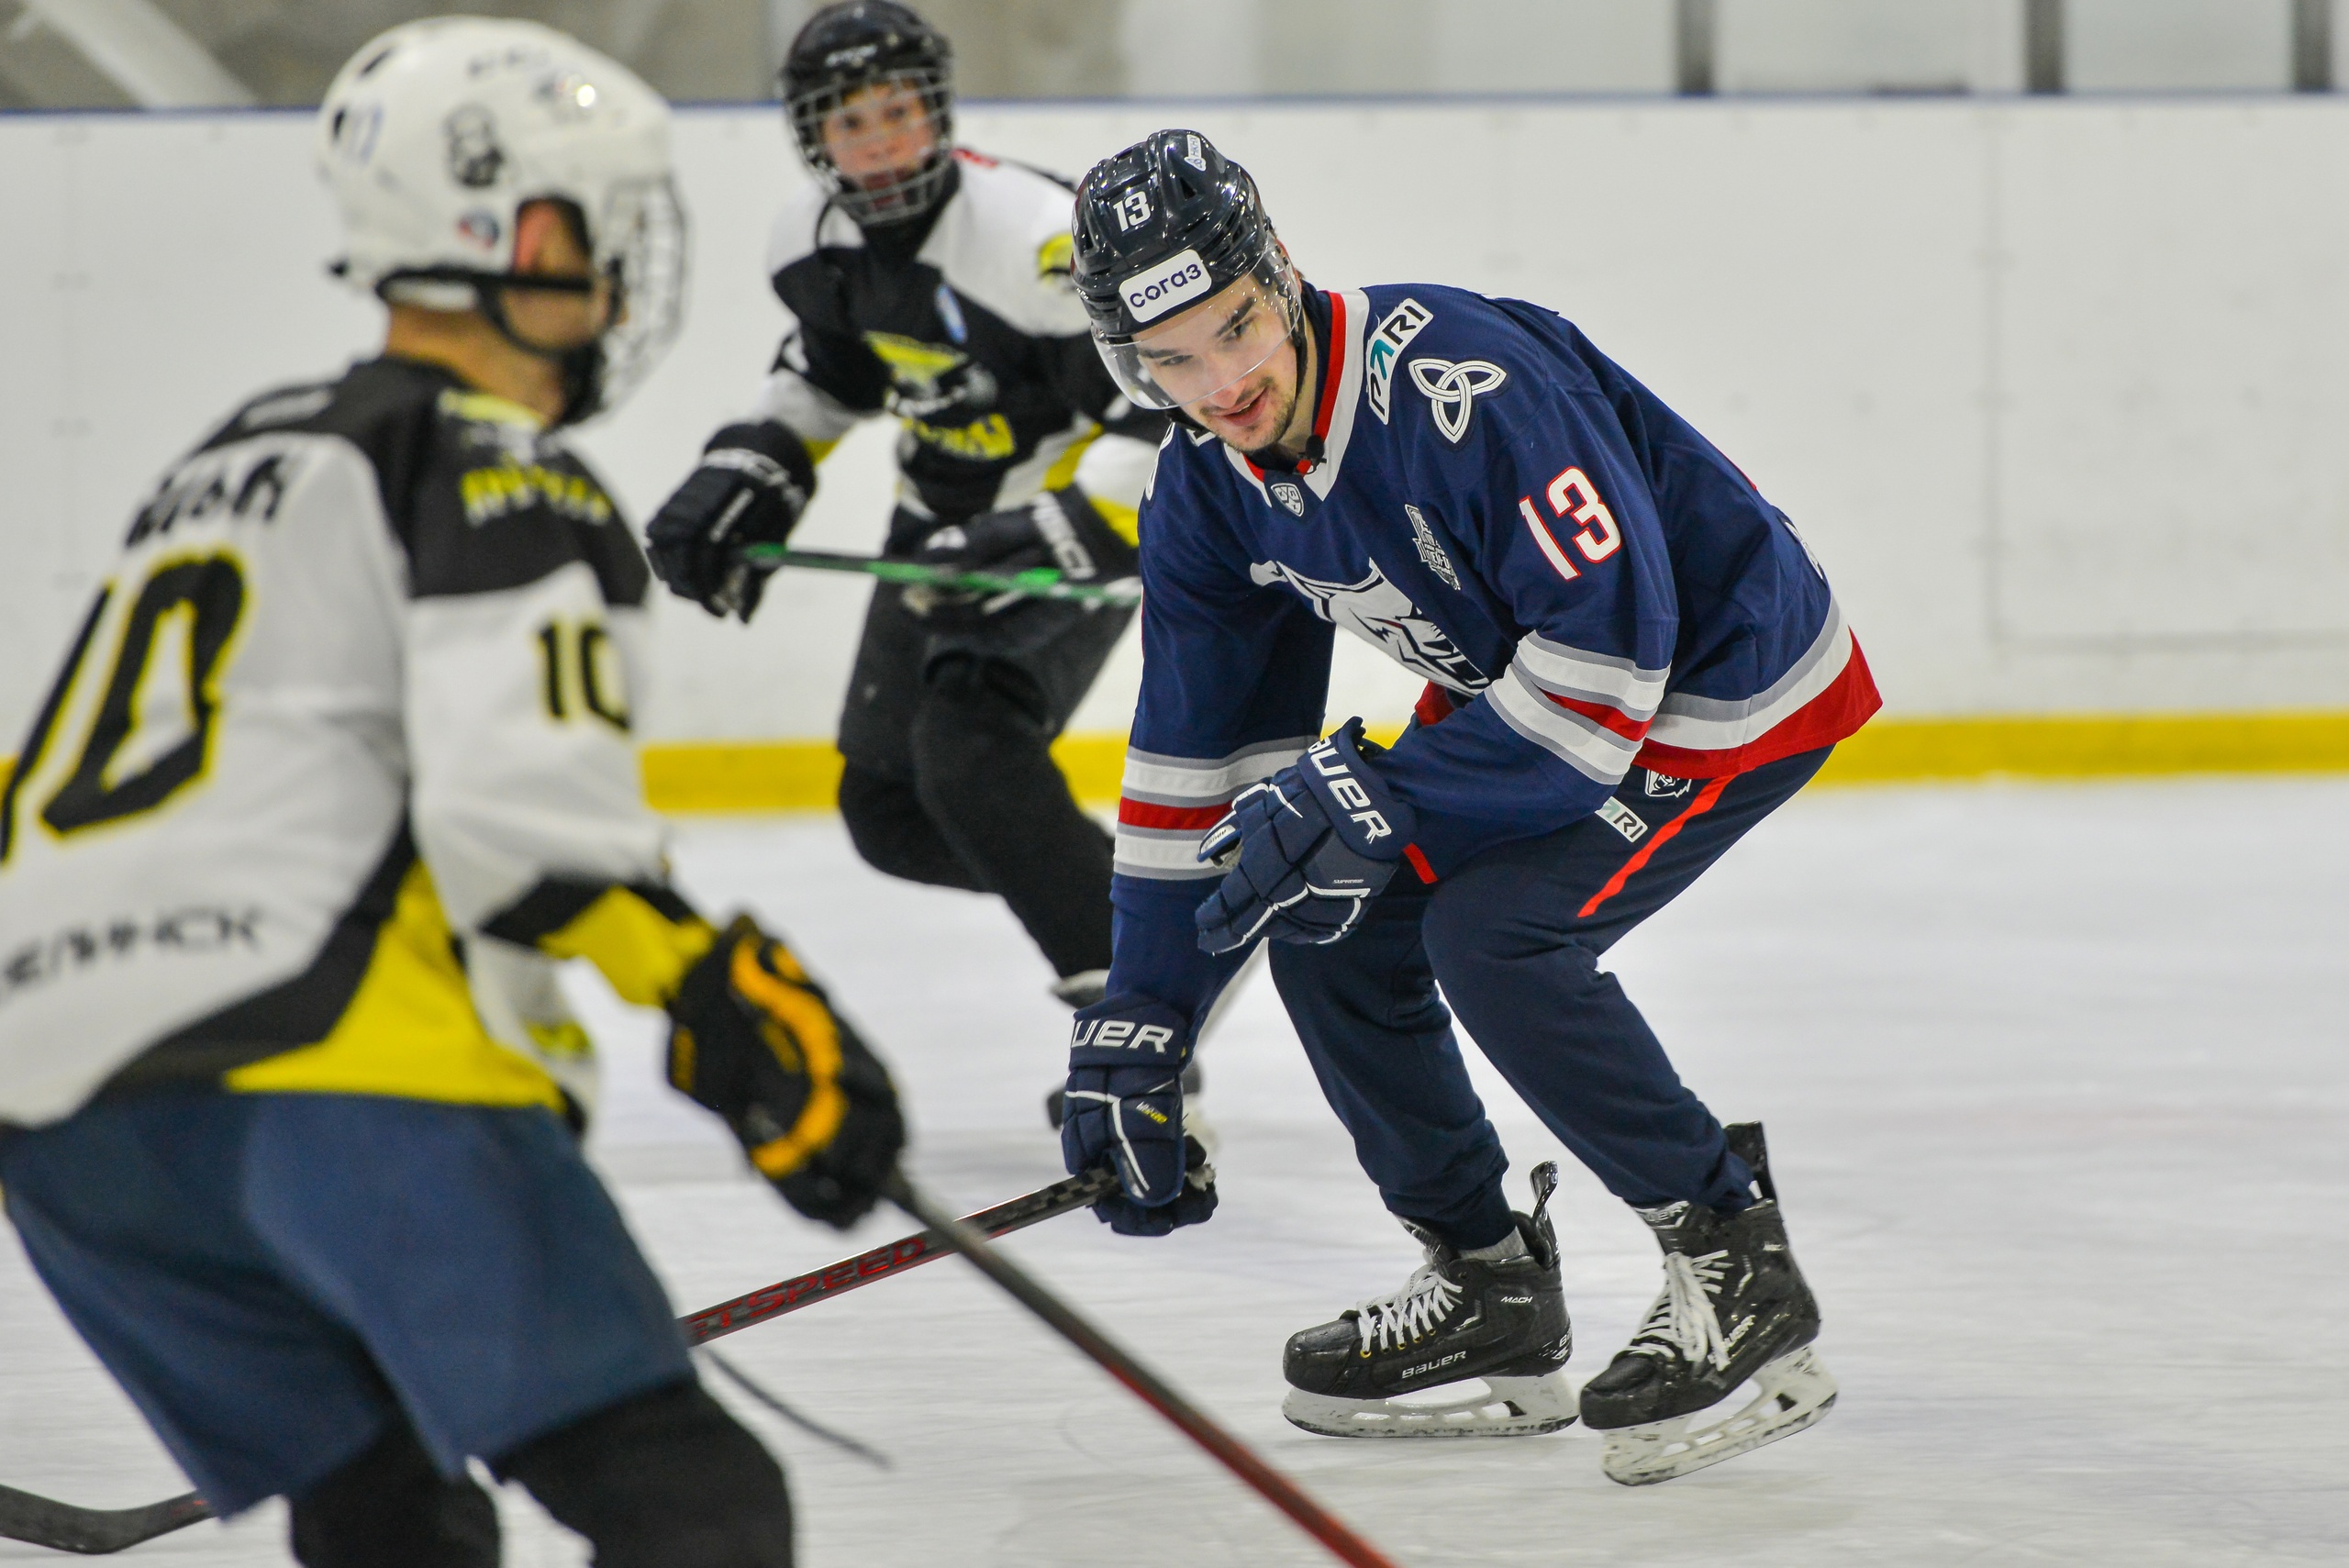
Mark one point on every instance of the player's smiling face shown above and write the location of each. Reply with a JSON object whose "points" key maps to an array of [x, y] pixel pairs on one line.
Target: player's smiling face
{"points": [[1222, 362]]}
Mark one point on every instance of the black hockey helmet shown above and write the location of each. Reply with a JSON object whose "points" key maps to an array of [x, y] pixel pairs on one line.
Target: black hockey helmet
{"points": [[1163, 225], [857, 44]]}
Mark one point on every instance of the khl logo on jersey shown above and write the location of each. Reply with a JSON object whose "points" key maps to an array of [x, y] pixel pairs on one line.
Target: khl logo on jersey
{"points": [[1286, 493], [1387, 341], [1430, 550], [1452, 389], [1382, 615]]}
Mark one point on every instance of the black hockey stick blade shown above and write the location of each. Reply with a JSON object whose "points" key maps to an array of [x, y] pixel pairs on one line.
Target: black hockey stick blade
{"points": [[1038, 583], [93, 1532], [895, 1258], [1154, 1391], [63, 1527], [797, 1418]]}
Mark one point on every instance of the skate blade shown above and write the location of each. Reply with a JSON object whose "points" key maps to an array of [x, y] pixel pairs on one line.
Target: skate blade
{"points": [[1511, 1407], [1791, 1393]]}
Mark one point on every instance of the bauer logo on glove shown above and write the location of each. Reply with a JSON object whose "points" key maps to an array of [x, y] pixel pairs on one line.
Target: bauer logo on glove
{"points": [[1306, 851]]}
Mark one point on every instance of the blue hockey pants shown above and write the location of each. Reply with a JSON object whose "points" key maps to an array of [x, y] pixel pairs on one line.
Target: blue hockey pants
{"points": [[1514, 939]]}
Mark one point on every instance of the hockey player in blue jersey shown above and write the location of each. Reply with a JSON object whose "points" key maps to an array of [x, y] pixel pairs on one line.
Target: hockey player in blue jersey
{"points": [[1631, 659]]}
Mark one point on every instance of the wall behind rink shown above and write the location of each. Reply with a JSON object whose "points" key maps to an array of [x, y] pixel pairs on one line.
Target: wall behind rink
{"points": [[2056, 389]]}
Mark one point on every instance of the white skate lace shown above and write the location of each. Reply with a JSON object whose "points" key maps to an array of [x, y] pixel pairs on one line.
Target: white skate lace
{"points": [[1683, 1322], [1426, 1300]]}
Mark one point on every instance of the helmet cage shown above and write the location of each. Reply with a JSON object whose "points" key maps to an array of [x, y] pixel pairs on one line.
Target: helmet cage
{"points": [[905, 193]]}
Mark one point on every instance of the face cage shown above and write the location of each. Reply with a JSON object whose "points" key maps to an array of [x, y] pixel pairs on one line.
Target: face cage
{"points": [[914, 191], [641, 243], [1136, 378]]}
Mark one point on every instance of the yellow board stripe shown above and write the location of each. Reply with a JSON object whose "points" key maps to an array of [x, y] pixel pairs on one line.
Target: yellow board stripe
{"points": [[687, 776], [803, 776]]}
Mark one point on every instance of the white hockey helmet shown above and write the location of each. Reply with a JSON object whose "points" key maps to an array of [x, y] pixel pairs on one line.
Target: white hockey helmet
{"points": [[435, 135]]}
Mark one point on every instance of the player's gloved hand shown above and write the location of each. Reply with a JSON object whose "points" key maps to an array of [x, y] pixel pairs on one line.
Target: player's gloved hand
{"points": [[754, 481], [1125, 1111], [1306, 849], [1059, 528], [754, 1040]]}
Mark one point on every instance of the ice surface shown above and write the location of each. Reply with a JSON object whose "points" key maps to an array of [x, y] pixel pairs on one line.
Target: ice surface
{"points": [[2058, 1088]]}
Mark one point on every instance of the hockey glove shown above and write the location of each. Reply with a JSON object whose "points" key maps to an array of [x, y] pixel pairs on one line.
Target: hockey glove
{"points": [[1059, 528], [1306, 849], [754, 1040], [1125, 1111], [754, 481]]}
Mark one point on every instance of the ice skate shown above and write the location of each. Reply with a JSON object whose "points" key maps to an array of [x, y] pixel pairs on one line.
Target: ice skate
{"points": [[1735, 1309], [1456, 1320]]}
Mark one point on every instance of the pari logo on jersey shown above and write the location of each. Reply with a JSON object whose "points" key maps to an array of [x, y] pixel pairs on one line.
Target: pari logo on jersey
{"points": [[1453, 389], [1176, 281], [1382, 615], [1385, 351]]}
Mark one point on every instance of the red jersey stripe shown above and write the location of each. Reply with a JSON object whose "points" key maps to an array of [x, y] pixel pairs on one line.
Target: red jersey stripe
{"points": [[1150, 814]]}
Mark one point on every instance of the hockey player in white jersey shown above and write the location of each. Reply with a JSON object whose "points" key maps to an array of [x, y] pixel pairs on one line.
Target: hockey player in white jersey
{"points": [[927, 281], [336, 771]]}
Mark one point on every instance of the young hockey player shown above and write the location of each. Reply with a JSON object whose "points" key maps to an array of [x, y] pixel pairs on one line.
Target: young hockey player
{"points": [[1631, 660], [927, 281], [336, 769]]}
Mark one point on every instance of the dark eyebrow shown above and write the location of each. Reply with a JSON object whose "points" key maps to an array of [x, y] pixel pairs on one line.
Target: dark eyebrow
{"points": [[1242, 308]]}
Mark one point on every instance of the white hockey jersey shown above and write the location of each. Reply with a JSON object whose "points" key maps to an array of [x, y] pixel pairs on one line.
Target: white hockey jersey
{"points": [[336, 768]]}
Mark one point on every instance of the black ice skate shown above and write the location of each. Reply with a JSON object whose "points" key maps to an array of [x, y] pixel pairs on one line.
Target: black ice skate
{"points": [[1455, 1319], [1734, 1307]]}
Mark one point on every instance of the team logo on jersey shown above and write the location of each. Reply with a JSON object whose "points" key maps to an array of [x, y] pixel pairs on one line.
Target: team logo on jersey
{"points": [[1664, 786], [1387, 341], [1430, 551], [1382, 615], [928, 379], [1452, 389], [1286, 493]]}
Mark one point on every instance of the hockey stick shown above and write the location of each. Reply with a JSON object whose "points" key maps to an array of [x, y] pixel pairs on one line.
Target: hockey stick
{"points": [[797, 1418], [65, 1527], [1037, 582], [1154, 1391]]}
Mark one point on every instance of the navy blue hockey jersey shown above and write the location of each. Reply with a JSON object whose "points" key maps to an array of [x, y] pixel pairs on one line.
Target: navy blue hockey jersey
{"points": [[1584, 580]]}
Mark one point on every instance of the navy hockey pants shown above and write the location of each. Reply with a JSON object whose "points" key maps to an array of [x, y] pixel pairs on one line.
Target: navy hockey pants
{"points": [[1514, 938], [277, 1280]]}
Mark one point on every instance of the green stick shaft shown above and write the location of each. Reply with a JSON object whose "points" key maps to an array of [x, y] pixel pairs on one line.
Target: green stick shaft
{"points": [[1039, 582]]}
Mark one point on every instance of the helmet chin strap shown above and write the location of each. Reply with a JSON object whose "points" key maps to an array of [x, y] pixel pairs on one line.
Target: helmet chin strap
{"points": [[579, 369]]}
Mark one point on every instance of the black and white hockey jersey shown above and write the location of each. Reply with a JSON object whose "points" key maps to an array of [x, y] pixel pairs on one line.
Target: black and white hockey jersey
{"points": [[965, 328], [337, 767]]}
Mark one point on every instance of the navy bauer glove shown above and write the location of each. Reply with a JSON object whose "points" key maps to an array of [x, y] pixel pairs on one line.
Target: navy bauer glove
{"points": [[1125, 1111], [1306, 849]]}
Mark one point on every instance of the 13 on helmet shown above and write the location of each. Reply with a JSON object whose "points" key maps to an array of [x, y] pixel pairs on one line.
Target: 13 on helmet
{"points": [[1160, 229], [842, 52], [437, 133]]}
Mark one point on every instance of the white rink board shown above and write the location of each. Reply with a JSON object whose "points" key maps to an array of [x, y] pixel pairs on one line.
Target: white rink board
{"points": [[2057, 1123], [2054, 388]]}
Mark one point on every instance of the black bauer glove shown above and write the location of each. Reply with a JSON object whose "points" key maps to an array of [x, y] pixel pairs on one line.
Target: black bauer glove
{"points": [[754, 1040], [1306, 849], [754, 481], [1059, 528], [1124, 1109]]}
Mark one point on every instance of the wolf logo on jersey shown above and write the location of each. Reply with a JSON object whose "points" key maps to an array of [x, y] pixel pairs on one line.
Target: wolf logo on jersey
{"points": [[1382, 615]]}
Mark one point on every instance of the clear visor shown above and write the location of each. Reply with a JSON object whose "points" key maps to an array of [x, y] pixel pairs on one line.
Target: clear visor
{"points": [[1210, 349]]}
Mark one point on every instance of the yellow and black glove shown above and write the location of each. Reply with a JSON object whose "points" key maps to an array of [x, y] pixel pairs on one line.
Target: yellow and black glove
{"points": [[754, 1040]]}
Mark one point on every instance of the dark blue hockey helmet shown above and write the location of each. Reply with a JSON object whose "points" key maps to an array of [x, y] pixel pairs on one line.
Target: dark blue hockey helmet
{"points": [[1161, 228]]}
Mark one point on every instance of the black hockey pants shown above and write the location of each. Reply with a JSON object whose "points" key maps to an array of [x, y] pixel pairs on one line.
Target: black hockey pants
{"points": [[664, 1480], [950, 780]]}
